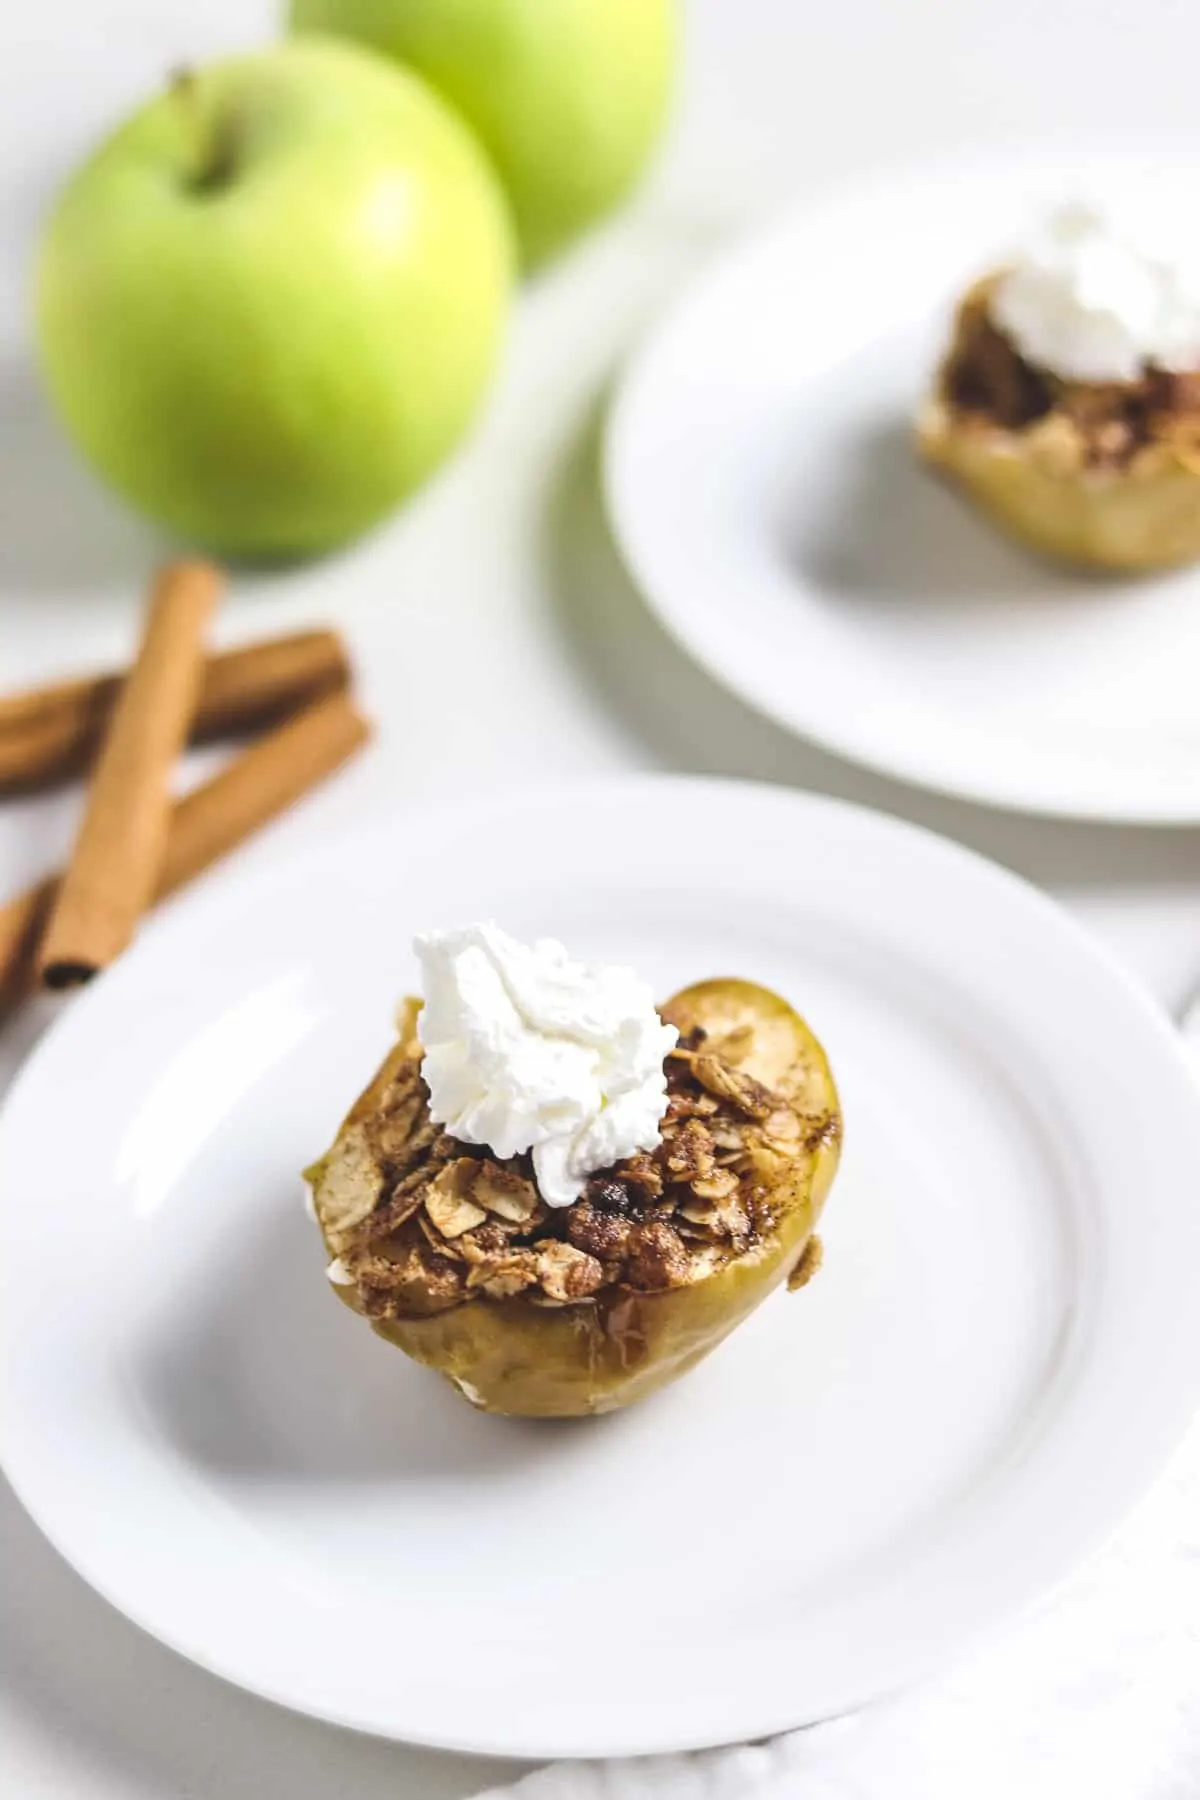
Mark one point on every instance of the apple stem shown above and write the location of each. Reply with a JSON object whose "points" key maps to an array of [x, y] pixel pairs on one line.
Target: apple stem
{"points": [[215, 138]]}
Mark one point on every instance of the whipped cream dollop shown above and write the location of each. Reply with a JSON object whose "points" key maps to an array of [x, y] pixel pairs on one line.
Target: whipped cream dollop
{"points": [[1099, 295], [527, 1050]]}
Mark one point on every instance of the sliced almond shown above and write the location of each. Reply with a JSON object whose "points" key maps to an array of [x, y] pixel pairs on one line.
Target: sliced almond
{"points": [[567, 1273], [505, 1282], [483, 1246], [505, 1193], [697, 1213], [347, 1188], [749, 1096], [643, 1172], [395, 1211], [447, 1199], [717, 1186], [394, 1132], [438, 1243]]}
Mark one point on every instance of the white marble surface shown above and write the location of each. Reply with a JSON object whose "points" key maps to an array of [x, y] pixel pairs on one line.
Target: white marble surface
{"points": [[503, 571]]}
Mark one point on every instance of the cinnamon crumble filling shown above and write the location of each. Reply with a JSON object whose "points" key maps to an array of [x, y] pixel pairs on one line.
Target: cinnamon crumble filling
{"points": [[444, 1223], [1103, 425]]}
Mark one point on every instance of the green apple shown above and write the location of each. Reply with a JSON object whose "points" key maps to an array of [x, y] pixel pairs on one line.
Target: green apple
{"points": [[567, 96], [268, 306]]}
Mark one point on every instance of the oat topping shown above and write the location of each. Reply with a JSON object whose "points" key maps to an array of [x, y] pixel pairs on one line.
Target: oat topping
{"points": [[444, 1222]]}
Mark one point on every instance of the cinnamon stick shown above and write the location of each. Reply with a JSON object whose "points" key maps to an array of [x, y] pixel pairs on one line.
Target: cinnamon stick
{"points": [[50, 733], [258, 784], [118, 854], [207, 823], [22, 923]]}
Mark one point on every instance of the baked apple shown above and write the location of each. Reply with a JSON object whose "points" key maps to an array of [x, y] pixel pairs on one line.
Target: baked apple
{"points": [[453, 1256], [1103, 473]]}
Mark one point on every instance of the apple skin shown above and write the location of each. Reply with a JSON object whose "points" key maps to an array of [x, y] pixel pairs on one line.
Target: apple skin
{"points": [[567, 96], [269, 304]]}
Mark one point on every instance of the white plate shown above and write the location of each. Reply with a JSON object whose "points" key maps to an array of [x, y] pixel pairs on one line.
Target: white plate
{"points": [[1002, 1349], [762, 484]]}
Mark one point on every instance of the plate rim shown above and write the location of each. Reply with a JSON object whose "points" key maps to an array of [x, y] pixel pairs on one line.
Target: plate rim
{"points": [[232, 894], [922, 175]]}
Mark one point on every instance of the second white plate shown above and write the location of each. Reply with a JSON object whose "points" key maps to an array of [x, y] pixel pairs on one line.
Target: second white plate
{"points": [[762, 483], [1001, 1349]]}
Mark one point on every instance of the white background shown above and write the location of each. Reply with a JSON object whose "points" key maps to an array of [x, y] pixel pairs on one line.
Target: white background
{"points": [[496, 636]]}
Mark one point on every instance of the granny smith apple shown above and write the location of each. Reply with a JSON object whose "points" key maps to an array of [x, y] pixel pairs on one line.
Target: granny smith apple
{"points": [[268, 306], [567, 95]]}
